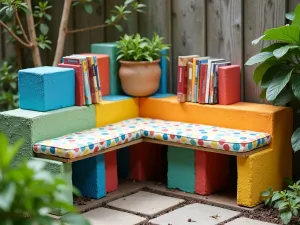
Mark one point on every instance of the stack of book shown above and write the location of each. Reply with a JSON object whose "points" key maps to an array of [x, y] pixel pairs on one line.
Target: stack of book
{"points": [[87, 85], [198, 79]]}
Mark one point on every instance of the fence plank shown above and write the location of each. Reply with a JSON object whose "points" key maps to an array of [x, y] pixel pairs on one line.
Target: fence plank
{"points": [[157, 19], [292, 5], [188, 31], [258, 16], [84, 40], [224, 31], [129, 27]]}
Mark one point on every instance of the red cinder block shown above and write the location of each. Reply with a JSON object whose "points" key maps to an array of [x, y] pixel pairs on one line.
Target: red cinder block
{"points": [[111, 172], [103, 64], [229, 84], [212, 172], [148, 161]]}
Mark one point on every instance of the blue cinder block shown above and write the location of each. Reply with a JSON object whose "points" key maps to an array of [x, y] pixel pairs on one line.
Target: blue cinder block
{"points": [[46, 88], [89, 176], [114, 98], [181, 169], [163, 86]]}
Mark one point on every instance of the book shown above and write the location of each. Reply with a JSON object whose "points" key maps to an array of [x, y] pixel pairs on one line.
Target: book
{"points": [[214, 91], [202, 86], [189, 82], [94, 79], [198, 62], [182, 76], [98, 77], [209, 78], [79, 88], [229, 84], [81, 60]]}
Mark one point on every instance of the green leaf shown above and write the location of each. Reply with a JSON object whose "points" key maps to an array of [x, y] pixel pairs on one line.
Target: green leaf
{"points": [[286, 217], [48, 16], [296, 20], [263, 93], [9, 11], [265, 194], [76, 3], [44, 28], [7, 195], [261, 70], [272, 47], [278, 53], [296, 85], [276, 196], [74, 219], [290, 16], [119, 27], [284, 97], [296, 140], [260, 57], [256, 41], [88, 8], [11, 152], [287, 34], [277, 84]]}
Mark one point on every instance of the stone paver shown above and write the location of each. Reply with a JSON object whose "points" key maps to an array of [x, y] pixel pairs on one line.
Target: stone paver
{"points": [[103, 216], [246, 221], [146, 203], [195, 214]]}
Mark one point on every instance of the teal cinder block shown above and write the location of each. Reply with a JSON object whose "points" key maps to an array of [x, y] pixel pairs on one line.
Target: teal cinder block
{"points": [[111, 50], [114, 98], [181, 169]]}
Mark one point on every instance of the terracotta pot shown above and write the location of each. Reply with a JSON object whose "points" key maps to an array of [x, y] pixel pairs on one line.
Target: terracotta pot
{"points": [[140, 78]]}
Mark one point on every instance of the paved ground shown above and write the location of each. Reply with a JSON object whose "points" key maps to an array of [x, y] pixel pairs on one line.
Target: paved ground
{"points": [[145, 207]]}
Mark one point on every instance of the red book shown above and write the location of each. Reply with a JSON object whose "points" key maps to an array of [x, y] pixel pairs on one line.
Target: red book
{"points": [[182, 76], [202, 86], [229, 84], [79, 88]]}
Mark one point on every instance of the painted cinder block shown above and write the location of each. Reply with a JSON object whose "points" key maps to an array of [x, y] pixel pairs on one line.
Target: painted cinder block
{"points": [[108, 112], [103, 65], [111, 171], [111, 50], [148, 162], [212, 172], [89, 176], [123, 159], [181, 169], [113, 98], [46, 88], [35, 126], [163, 86]]}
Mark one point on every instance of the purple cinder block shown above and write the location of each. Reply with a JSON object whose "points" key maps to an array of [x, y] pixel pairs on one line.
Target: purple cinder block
{"points": [[46, 88]]}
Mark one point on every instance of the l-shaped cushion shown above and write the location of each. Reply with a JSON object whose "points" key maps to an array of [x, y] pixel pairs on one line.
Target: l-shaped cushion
{"points": [[97, 139]]}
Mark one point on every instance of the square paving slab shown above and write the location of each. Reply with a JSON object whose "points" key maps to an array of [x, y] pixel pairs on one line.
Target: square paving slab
{"points": [[246, 221], [195, 214], [103, 216], [146, 203]]}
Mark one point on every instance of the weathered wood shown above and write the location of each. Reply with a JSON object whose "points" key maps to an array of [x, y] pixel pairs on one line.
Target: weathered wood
{"points": [[129, 27], [188, 31], [65, 160], [84, 40], [224, 31], [292, 5], [258, 16], [57, 7], [157, 19]]}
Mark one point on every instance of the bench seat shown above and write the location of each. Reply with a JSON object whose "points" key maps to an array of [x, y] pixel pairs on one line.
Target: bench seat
{"points": [[98, 139]]}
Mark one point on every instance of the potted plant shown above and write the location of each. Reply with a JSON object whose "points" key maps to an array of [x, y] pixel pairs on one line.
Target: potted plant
{"points": [[139, 58]]}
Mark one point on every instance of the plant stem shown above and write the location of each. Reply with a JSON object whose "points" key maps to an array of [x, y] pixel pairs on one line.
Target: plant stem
{"points": [[62, 32], [21, 27], [31, 29], [15, 36]]}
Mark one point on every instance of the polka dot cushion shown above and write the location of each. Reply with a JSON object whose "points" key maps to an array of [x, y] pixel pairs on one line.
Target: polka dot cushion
{"points": [[97, 139]]}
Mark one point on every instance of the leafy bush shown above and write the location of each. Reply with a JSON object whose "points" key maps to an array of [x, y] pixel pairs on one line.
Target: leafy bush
{"points": [[137, 48], [28, 192], [279, 70], [287, 201], [8, 86]]}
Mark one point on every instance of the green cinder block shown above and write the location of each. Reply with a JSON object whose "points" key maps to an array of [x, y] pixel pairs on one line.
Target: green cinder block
{"points": [[111, 50], [181, 169], [35, 126]]}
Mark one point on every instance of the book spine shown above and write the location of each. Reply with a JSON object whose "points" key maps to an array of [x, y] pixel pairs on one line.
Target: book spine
{"points": [[195, 99], [207, 83], [189, 82], [211, 84], [181, 84], [203, 78], [91, 79], [215, 92], [193, 79], [95, 80], [97, 71], [88, 97]]}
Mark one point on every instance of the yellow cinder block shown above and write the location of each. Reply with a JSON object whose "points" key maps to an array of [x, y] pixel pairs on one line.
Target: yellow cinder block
{"points": [[258, 172], [108, 112]]}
